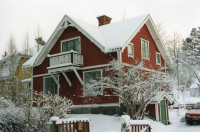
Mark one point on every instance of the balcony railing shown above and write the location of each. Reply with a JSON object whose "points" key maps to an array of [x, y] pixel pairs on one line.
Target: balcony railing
{"points": [[70, 58]]}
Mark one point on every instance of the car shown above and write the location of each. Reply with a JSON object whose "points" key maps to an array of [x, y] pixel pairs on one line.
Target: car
{"points": [[193, 115]]}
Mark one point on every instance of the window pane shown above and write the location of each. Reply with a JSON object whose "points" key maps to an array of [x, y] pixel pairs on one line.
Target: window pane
{"points": [[142, 48], [93, 75], [70, 45], [51, 86], [98, 75], [63, 47], [158, 58], [147, 49], [77, 45], [130, 49]]}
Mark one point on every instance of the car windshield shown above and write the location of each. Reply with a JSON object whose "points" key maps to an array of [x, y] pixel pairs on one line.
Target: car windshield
{"points": [[197, 106]]}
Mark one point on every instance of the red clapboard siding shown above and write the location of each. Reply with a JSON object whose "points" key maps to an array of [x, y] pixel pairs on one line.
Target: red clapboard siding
{"points": [[145, 34]]}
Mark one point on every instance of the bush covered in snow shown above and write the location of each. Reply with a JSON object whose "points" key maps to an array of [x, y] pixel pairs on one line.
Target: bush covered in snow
{"points": [[28, 118]]}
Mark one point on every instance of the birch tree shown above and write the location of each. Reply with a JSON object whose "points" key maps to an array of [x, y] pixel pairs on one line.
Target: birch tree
{"points": [[26, 46], [135, 87], [38, 38]]}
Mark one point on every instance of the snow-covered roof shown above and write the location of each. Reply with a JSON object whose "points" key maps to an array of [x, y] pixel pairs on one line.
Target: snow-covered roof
{"points": [[195, 83], [109, 38], [116, 34], [194, 86], [161, 95], [26, 80], [31, 61], [9, 64]]}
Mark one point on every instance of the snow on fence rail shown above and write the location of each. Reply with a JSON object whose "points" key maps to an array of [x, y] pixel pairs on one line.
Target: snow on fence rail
{"points": [[70, 125], [140, 126], [135, 125]]}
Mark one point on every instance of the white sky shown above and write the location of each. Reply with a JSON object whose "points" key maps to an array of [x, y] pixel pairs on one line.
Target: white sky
{"points": [[20, 16]]}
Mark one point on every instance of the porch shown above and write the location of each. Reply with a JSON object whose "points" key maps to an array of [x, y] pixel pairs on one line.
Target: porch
{"points": [[65, 62]]}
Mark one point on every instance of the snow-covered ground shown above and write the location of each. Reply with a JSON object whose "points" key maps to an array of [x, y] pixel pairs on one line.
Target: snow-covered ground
{"points": [[105, 123]]}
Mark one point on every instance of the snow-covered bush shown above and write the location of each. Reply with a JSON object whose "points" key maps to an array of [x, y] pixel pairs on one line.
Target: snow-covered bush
{"points": [[134, 86], [11, 118], [28, 118]]}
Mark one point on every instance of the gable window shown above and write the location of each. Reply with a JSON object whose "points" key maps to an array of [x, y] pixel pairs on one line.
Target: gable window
{"points": [[92, 75], [157, 58], [71, 44], [50, 85], [130, 50], [145, 48]]}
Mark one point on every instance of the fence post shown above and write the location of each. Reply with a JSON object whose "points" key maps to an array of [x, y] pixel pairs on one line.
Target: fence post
{"points": [[52, 126]]}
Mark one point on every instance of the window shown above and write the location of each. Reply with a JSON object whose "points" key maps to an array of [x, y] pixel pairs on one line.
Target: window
{"points": [[29, 90], [130, 50], [71, 44], [92, 75], [50, 85], [145, 48], [157, 58]]}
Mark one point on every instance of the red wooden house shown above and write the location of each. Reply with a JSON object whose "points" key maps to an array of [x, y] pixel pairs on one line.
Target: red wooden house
{"points": [[77, 48]]}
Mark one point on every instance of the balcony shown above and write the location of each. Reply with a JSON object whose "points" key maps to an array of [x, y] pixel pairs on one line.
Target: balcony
{"points": [[65, 59]]}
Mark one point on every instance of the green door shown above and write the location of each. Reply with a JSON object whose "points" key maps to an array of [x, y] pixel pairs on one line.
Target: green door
{"points": [[163, 112]]}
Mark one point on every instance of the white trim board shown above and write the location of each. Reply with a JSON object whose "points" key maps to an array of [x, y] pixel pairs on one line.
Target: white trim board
{"points": [[67, 68], [95, 105]]}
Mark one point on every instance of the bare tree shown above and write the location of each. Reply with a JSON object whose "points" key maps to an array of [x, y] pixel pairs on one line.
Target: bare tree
{"points": [[11, 46], [38, 38], [26, 48], [162, 32], [124, 13]]}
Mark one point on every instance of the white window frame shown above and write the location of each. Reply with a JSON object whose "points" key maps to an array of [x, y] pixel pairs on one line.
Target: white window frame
{"points": [[54, 80], [79, 37], [132, 50], [142, 51], [92, 71], [157, 60]]}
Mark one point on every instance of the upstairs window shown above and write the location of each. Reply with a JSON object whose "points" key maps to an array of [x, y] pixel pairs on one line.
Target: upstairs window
{"points": [[157, 58], [130, 50], [145, 48], [71, 44], [92, 75], [50, 85]]}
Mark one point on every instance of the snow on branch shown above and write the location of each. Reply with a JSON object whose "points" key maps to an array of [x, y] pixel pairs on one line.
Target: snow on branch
{"points": [[135, 87]]}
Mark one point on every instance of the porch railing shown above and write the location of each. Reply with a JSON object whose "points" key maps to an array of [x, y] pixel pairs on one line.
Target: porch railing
{"points": [[65, 59], [69, 125]]}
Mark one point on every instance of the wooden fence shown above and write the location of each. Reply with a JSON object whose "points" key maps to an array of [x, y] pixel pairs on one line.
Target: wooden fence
{"points": [[73, 126], [140, 128]]}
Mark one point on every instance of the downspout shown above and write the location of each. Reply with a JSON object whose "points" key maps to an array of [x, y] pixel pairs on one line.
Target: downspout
{"points": [[31, 80], [119, 58]]}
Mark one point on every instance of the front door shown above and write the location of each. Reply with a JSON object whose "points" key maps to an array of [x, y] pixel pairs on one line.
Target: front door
{"points": [[163, 112]]}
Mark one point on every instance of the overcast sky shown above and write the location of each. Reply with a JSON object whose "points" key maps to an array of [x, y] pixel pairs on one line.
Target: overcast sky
{"points": [[20, 16]]}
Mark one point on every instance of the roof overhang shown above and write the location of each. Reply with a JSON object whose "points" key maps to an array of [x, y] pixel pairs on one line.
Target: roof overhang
{"points": [[161, 96], [155, 35], [64, 23]]}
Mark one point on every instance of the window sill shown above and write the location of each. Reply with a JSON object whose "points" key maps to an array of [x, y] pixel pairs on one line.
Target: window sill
{"points": [[145, 58], [130, 56]]}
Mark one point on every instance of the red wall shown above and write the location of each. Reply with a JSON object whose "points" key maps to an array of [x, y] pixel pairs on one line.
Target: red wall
{"points": [[151, 109], [145, 34], [92, 55]]}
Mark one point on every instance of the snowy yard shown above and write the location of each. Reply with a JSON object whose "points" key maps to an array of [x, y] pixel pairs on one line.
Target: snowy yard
{"points": [[105, 123]]}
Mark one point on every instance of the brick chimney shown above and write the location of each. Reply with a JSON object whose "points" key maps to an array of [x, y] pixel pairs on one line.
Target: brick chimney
{"points": [[103, 20]]}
